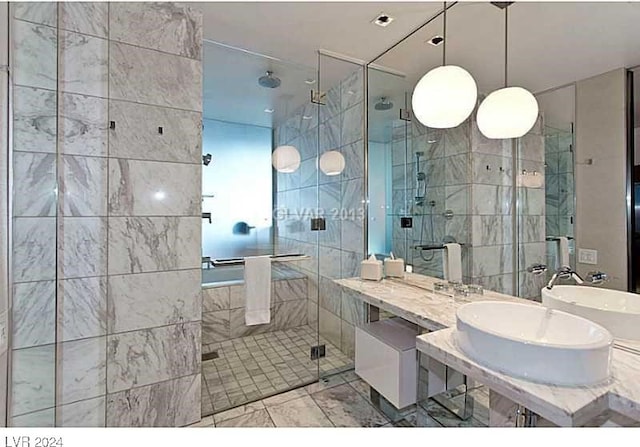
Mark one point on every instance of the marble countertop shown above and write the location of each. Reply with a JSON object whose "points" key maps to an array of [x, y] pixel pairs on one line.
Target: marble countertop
{"points": [[414, 299], [565, 406]]}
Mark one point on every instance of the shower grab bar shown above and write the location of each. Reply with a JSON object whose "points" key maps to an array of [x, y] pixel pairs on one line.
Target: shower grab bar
{"points": [[557, 238], [274, 258], [433, 246]]}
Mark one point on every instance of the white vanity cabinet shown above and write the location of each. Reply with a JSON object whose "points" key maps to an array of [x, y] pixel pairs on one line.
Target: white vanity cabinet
{"points": [[386, 359]]}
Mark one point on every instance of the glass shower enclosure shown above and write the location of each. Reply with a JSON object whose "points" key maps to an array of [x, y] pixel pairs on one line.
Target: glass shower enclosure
{"points": [[308, 215]]}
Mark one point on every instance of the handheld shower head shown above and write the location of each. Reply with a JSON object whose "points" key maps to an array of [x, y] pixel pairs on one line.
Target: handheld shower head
{"points": [[269, 80]]}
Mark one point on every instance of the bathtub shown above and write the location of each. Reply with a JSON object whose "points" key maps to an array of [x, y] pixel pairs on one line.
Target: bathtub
{"points": [[230, 275], [223, 276]]}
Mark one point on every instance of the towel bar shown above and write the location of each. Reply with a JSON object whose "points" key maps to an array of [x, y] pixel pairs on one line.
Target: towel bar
{"points": [[274, 258], [433, 246]]}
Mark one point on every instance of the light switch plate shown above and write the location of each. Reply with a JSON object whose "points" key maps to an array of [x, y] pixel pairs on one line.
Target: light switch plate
{"points": [[586, 256]]}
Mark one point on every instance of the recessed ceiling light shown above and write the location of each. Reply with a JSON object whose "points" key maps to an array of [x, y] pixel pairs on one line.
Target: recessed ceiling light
{"points": [[268, 110], [306, 117], [310, 81], [382, 19], [436, 40]]}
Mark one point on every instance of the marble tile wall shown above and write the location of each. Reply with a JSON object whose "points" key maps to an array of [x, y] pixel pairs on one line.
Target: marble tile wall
{"points": [[33, 387], [531, 212], [119, 203], [446, 165], [223, 310], [491, 263], [472, 177], [336, 252]]}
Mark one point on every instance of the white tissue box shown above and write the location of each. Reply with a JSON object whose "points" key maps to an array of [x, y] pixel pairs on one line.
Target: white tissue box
{"points": [[394, 267], [371, 269]]}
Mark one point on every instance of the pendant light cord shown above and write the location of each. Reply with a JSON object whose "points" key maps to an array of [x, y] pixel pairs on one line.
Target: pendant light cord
{"points": [[506, 44], [444, 36]]}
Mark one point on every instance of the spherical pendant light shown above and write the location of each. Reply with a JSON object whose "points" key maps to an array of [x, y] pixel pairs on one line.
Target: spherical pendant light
{"points": [[510, 112], [444, 97], [285, 159], [332, 163]]}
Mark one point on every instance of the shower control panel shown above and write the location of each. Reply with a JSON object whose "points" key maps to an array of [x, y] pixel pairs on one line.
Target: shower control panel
{"points": [[406, 222]]}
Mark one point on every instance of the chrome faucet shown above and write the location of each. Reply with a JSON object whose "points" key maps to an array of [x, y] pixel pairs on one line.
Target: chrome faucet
{"points": [[537, 269], [564, 272], [597, 277]]}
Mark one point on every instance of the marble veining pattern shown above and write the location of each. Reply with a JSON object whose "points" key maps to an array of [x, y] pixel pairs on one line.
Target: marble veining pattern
{"points": [[216, 326], [33, 314], [83, 247], [33, 375], [301, 412], [84, 59], [562, 405], [414, 300], [83, 184], [176, 299], [290, 314], [134, 76], [83, 369], [83, 125], [34, 238], [34, 120], [85, 17], [170, 27], [173, 403], [35, 59], [152, 355], [85, 413], [348, 409], [146, 244], [37, 12], [149, 188], [82, 307], [35, 184], [136, 134], [42, 418]]}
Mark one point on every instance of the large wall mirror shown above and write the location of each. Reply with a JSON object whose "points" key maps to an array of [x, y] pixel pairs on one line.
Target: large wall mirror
{"points": [[521, 208]]}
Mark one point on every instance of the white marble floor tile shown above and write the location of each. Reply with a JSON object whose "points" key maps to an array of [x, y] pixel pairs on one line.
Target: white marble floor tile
{"points": [[238, 411], [345, 407], [302, 412], [324, 383], [206, 422], [259, 418], [285, 397]]}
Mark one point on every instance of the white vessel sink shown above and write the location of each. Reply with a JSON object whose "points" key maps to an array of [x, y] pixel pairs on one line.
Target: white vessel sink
{"points": [[536, 343], [619, 312]]}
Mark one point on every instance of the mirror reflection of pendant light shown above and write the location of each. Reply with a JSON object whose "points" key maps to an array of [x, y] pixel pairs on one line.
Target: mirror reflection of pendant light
{"points": [[445, 96], [332, 163], [509, 112], [286, 159]]}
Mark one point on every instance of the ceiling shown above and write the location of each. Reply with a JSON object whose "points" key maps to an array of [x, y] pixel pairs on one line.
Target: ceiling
{"points": [[550, 44], [231, 91]]}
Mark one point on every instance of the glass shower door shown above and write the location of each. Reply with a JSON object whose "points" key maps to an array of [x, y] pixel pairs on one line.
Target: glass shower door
{"points": [[33, 334], [340, 174]]}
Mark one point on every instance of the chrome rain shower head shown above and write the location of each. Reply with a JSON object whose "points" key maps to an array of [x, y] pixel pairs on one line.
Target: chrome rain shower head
{"points": [[269, 80], [383, 104]]}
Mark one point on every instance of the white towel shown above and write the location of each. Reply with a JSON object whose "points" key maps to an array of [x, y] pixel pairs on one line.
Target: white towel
{"points": [[257, 290], [452, 262], [563, 252]]}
